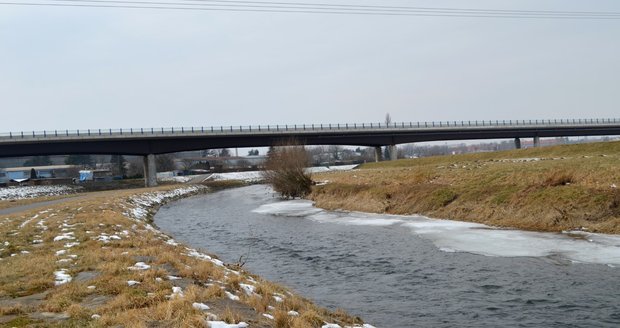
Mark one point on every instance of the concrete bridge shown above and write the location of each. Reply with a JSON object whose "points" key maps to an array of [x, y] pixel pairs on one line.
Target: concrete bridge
{"points": [[148, 142]]}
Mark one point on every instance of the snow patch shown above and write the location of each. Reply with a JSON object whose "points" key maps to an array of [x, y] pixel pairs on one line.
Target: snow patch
{"points": [[200, 306], [231, 296], [25, 192], [61, 277], [65, 236], [139, 266], [222, 324], [248, 289]]}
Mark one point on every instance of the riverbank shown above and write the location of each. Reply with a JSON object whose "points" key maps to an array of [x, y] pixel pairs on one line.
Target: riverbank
{"points": [[97, 261], [569, 187]]}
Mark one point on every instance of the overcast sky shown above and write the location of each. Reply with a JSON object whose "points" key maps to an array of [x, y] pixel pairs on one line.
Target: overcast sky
{"points": [[110, 68]]}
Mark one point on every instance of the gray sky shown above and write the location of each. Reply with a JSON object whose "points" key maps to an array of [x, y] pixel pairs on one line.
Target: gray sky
{"points": [[110, 68]]}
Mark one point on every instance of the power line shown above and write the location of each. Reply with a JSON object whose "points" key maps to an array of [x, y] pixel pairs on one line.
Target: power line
{"points": [[321, 9], [347, 7], [554, 12]]}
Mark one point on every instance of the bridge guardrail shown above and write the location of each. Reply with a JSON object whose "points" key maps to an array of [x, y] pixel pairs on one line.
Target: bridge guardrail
{"points": [[304, 127]]}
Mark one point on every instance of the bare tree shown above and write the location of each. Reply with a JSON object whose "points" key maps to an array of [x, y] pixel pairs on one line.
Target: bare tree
{"points": [[187, 163], [285, 171], [388, 119], [224, 152], [136, 167], [165, 163], [334, 152]]}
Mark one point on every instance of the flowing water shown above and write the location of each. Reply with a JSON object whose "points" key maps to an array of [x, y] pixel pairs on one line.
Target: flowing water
{"points": [[408, 271]]}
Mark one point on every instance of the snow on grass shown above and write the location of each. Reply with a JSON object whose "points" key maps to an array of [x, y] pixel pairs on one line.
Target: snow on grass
{"points": [[321, 169], [65, 236], [132, 283], [200, 306], [61, 252], [293, 313], [194, 253], [179, 179], [248, 289], [69, 245], [222, 324], [141, 205], [268, 316], [254, 176], [172, 242], [139, 266], [105, 238], [61, 277], [249, 176], [231, 296], [25, 192], [177, 292], [23, 224]]}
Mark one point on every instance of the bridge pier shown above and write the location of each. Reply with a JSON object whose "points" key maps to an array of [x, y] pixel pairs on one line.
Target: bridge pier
{"points": [[377, 154], [517, 143], [537, 141], [393, 152], [150, 171]]}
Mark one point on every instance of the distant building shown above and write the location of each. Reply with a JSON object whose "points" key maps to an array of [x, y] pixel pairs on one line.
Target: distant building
{"points": [[95, 175], [42, 172], [4, 179]]}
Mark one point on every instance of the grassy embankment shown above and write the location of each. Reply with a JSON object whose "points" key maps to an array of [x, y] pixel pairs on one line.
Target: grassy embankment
{"points": [[542, 189], [33, 258], [19, 202]]}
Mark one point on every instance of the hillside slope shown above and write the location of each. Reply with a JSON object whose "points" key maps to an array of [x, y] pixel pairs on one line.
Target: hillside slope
{"points": [[543, 189]]}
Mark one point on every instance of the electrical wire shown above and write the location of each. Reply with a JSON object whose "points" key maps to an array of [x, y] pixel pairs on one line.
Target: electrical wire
{"points": [[320, 8]]}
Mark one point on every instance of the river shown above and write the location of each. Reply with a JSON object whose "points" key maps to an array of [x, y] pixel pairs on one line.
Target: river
{"points": [[407, 271]]}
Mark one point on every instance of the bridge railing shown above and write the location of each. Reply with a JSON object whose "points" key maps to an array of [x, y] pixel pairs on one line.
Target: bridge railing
{"points": [[306, 127]]}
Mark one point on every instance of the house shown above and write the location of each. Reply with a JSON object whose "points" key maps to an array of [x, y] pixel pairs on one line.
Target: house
{"points": [[42, 172], [4, 180], [96, 175]]}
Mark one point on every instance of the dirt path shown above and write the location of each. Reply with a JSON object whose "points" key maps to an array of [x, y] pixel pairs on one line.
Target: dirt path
{"points": [[20, 208]]}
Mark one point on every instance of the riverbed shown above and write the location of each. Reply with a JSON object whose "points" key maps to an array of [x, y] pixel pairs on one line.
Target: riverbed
{"points": [[407, 271]]}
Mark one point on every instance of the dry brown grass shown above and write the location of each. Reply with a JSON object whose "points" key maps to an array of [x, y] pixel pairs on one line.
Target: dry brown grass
{"points": [[568, 187], [20, 202], [147, 304]]}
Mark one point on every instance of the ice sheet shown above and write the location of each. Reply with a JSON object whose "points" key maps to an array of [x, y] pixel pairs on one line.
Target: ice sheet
{"points": [[458, 236]]}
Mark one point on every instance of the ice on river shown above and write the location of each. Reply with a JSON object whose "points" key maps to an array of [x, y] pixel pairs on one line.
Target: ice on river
{"points": [[457, 236]]}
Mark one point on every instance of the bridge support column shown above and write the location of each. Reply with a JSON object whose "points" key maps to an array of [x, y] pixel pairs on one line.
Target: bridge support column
{"points": [[517, 143], [150, 171], [377, 154], [537, 141], [393, 152]]}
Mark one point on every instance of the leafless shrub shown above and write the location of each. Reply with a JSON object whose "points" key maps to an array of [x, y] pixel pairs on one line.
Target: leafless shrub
{"points": [[285, 170]]}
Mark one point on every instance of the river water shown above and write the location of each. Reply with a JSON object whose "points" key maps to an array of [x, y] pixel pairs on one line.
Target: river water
{"points": [[407, 271]]}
